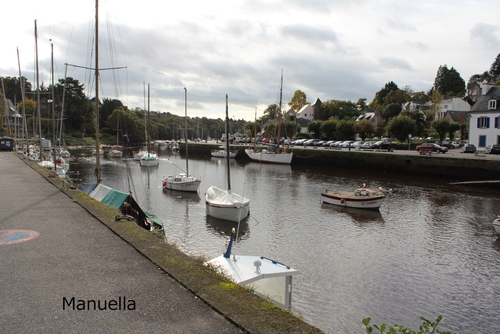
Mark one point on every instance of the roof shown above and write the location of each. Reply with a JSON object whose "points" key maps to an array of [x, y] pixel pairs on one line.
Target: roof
{"points": [[482, 102]]}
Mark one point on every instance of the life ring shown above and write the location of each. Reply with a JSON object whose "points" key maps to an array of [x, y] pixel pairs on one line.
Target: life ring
{"points": [[80, 159], [342, 201], [164, 183]]}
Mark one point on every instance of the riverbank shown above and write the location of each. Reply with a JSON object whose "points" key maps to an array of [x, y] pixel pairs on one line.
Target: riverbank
{"points": [[245, 310], [453, 165]]}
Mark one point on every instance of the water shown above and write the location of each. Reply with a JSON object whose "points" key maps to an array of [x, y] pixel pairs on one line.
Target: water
{"points": [[431, 249]]}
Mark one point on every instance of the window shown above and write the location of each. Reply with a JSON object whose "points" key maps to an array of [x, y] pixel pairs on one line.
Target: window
{"points": [[483, 122], [492, 104]]}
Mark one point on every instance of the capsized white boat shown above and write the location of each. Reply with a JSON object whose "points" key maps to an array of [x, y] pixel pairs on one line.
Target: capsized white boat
{"points": [[226, 205], [496, 225], [181, 182], [362, 198], [266, 277]]}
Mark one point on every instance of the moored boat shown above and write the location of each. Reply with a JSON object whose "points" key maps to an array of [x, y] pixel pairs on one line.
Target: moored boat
{"points": [[222, 154], [181, 182], [362, 198], [496, 225]]}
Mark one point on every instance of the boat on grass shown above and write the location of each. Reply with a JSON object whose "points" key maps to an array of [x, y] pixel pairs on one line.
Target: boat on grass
{"points": [[362, 198]]}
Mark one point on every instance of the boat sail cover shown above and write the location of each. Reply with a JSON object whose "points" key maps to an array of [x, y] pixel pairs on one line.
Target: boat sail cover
{"points": [[121, 201], [225, 198]]}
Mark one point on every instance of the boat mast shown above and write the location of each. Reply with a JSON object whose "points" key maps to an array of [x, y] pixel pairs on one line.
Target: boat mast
{"points": [[186, 128], [97, 143], [279, 112], [21, 81], [38, 113], [228, 160], [147, 122]]}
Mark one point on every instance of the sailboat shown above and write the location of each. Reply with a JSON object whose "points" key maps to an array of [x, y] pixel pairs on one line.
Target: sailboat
{"points": [[224, 204], [150, 159], [182, 181], [115, 152], [278, 156]]}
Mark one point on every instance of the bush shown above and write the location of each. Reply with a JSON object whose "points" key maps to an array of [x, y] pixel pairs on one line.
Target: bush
{"points": [[427, 327]]}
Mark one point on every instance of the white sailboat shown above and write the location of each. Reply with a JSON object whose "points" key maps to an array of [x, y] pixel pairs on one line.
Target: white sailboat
{"points": [[182, 181], [150, 159], [277, 156], [224, 204]]}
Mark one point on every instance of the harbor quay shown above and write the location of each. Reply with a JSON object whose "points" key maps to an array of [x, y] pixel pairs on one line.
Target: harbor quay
{"points": [[69, 267]]}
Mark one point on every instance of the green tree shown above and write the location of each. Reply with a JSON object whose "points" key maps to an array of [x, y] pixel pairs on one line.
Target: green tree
{"points": [[454, 127], [338, 109], [271, 113], [400, 127], [463, 131], [379, 100], [449, 82], [391, 110], [495, 67], [329, 129], [252, 128], [361, 104], [365, 128], [346, 130], [314, 127], [420, 97], [298, 100], [419, 118], [442, 127]]}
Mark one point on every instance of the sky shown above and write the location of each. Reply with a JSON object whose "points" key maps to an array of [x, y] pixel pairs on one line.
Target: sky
{"points": [[329, 49]]}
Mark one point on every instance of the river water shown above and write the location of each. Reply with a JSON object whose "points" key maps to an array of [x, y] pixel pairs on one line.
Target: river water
{"points": [[431, 249]]}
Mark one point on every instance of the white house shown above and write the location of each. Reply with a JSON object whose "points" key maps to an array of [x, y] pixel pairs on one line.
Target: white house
{"points": [[310, 111], [455, 103], [484, 122]]}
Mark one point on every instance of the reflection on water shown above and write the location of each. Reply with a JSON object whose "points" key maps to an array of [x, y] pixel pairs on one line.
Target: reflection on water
{"points": [[431, 249]]}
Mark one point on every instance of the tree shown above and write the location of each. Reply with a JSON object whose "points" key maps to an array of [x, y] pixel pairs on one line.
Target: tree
{"points": [[379, 100], [442, 127], [454, 127], [252, 128], [346, 130], [338, 109], [449, 82], [314, 127], [365, 129], [298, 100], [391, 110], [329, 129], [419, 118], [271, 113], [420, 97], [495, 67], [401, 127]]}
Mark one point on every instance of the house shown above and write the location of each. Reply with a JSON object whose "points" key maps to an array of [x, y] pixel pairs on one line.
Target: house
{"points": [[484, 121], [310, 111], [476, 88], [374, 116], [454, 103]]}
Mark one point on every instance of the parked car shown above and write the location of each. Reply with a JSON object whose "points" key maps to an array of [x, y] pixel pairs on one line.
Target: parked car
{"points": [[383, 145], [469, 148], [346, 144], [444, 143], [431, 147], [336, 144], [299, 141], [328, 143], [367, 145], [493, 149]]}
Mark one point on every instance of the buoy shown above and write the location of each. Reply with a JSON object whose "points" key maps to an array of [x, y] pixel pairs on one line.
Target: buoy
{"points": [[342, 201]]}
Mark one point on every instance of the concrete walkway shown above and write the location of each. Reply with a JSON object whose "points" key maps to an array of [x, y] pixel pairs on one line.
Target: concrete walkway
{"points": [[52, 250]]}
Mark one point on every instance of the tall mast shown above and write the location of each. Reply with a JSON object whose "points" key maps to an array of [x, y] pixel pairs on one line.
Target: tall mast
{"points": [[228, 160], [38, 113], [22, 96], [279, 112], [97, 143], [186, 128], [147, 122]]}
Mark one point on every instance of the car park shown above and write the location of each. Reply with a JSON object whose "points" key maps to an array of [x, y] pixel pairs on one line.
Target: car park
{"points": [[431, 147], [367, 145], [493, 149], [469, 148], [336, 144], [347, 143], [328, 143]]}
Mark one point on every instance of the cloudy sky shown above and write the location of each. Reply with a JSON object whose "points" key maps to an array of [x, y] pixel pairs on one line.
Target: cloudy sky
{"points": [[329, 49]]}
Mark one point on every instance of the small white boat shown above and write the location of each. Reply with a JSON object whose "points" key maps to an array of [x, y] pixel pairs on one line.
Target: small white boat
{"points": [[115, 154], [181, 182], [265, 155], [140, 154], [496, 225], [226, 205], [150, 159], [264, 276], [222, 154], [362, 198]]}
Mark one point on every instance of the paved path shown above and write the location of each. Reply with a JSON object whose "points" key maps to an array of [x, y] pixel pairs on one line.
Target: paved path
{"points": [[68, 253]]}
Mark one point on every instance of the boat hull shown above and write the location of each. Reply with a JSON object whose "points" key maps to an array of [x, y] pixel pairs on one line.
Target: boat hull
{"points": [[496, 225], [225, 205], [270, 157], [181, 183], [149, 162], [222, 154], [334, 198], [233, 214]]}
